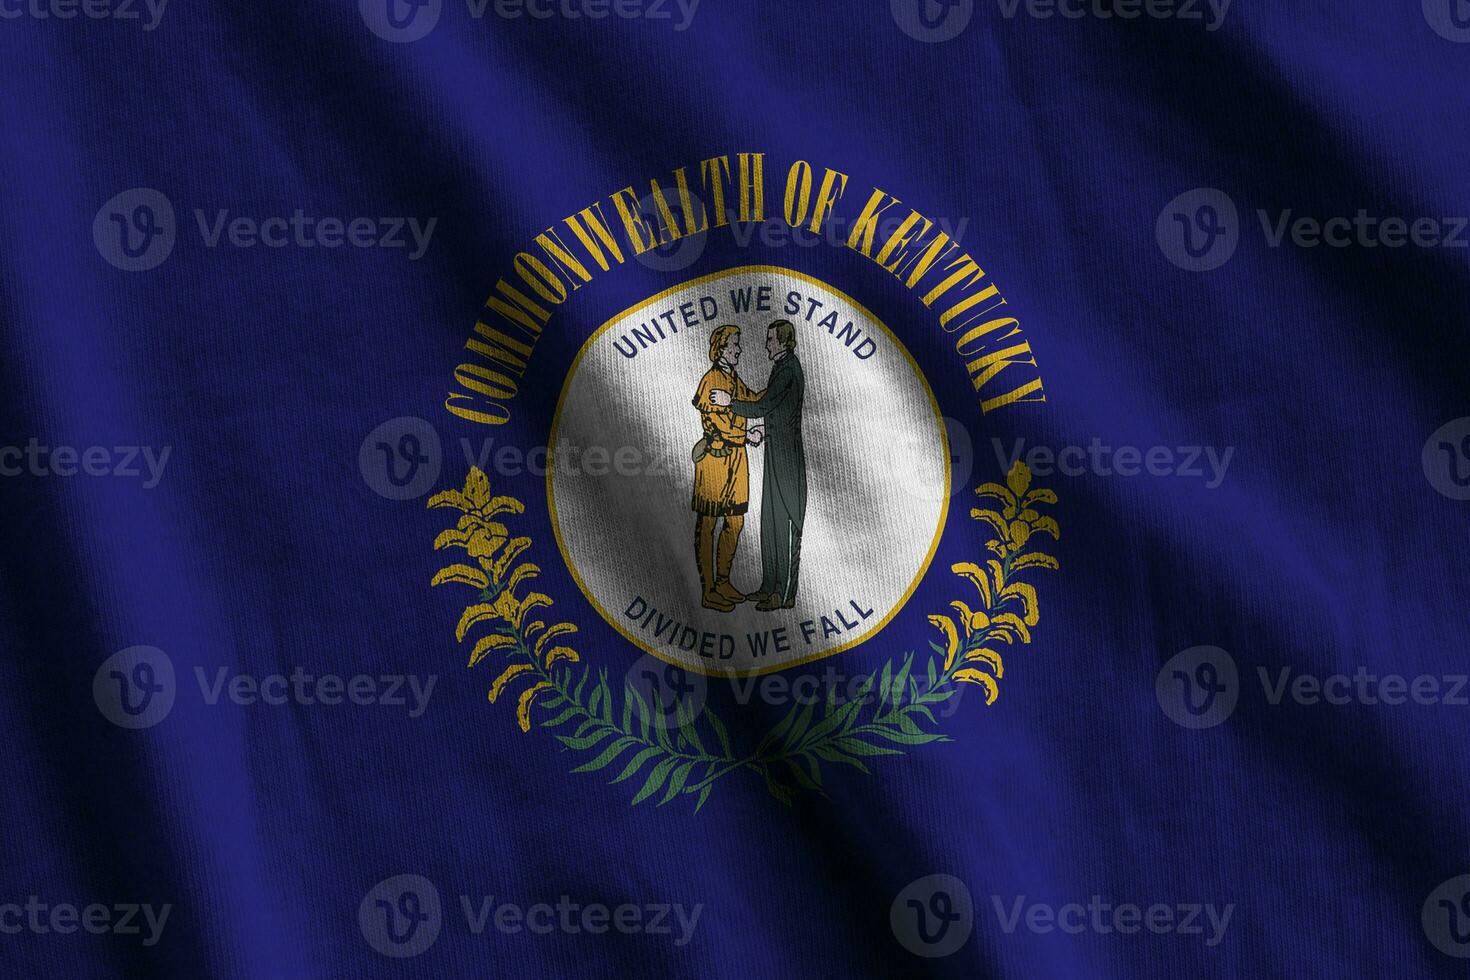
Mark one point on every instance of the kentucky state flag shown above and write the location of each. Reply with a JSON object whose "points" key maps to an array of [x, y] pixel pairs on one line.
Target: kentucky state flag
{"points": [[599, 488]]}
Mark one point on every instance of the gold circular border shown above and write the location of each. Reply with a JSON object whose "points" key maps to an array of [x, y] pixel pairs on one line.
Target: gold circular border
{"points": [[551, 472]]}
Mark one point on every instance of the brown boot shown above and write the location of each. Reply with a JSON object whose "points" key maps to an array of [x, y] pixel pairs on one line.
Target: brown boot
{"points": [[704, 546], [725, 558]]}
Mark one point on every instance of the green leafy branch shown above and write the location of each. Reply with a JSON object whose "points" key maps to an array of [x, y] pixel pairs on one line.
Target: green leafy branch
{"points": [[536, 652], [891, 711]]}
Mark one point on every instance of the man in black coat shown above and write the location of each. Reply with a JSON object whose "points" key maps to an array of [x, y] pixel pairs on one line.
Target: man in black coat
{"points": [[783, 494]]}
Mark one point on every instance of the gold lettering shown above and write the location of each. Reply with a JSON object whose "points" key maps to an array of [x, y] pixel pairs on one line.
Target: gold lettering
{"points": [[798, 192], [493, 413], [901, 236], [968, 273], [752, 187], [826, 198], [598, 224], [686, 203], [638, 234], [715, 173], [557, 252], [1012, 397], [540, 278], [522, 312], [668, 229], [866, 226]]}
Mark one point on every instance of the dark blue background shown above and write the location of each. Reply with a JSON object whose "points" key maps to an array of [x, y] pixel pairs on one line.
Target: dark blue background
{"points": [[263, 548]]}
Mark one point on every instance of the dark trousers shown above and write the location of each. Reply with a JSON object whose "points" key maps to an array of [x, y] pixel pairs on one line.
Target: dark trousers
{"points": [[780, 545]]}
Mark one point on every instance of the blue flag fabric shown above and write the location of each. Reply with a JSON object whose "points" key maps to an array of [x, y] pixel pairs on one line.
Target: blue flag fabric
{"points": [[428, 554]]}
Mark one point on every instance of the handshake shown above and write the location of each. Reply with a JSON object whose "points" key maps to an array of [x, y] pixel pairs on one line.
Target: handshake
{"points": [[753, 435]]}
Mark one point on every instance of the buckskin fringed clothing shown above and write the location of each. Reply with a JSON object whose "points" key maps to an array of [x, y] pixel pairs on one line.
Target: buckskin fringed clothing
{"points": [[722, 474]]}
